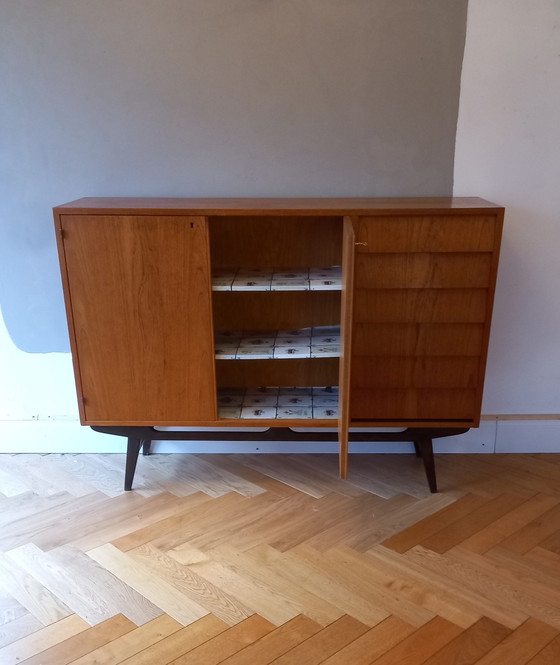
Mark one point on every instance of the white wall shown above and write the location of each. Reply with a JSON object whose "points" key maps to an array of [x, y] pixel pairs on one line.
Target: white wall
{"points": [[105, 99], [197, 98], [508, 150], [219, 98]]}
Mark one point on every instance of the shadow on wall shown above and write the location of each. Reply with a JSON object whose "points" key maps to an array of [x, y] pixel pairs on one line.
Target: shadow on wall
{"points": [[31, 293]]}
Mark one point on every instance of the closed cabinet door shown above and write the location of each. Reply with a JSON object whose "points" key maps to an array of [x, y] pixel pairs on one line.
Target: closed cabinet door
{"points": [[139, 293], [422, 298]]}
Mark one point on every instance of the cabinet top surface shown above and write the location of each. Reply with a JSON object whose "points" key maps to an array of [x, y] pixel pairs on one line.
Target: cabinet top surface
{"points": [[274, 206]]}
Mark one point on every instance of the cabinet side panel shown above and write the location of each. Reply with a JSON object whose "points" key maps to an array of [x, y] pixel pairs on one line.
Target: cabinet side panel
{"points": [[141, 303], [69, 313], [498, 228]]}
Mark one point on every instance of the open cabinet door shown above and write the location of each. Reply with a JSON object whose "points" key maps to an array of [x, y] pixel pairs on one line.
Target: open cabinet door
{"points": [[347, 303], [138, 290]]}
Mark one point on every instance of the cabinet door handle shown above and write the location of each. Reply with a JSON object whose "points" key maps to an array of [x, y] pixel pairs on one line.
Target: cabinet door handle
{"points": [[364, 244]]}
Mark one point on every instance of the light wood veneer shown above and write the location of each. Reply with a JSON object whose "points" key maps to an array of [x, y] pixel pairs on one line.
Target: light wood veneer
{"points": [[414, 310]]}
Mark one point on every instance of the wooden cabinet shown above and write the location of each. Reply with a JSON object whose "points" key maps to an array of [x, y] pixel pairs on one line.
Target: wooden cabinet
{"points": [[279, 312]]}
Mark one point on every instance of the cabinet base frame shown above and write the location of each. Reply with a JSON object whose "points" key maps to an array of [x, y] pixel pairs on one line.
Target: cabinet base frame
{"points": [[141, 438]]}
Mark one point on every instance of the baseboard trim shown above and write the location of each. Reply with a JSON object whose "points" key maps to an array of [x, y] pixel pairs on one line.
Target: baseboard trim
{"points": [[522, 416]]}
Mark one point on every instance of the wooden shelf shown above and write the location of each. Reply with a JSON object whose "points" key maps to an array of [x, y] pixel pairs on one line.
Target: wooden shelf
{"points": [[270, 403], [297, 279], [316, 342]]}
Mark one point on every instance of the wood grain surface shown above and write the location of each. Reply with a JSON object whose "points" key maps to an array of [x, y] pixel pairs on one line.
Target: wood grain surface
{"points": [[239, 559]]}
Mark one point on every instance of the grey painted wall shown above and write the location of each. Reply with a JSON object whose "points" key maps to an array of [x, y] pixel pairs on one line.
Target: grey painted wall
{"points": [[211, 97]]}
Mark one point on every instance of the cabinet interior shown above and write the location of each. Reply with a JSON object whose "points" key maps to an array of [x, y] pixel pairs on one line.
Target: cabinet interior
{"points": [[271, 352]]}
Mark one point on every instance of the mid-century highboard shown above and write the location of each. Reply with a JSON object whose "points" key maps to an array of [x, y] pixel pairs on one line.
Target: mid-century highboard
{"points": [[280, 313]]}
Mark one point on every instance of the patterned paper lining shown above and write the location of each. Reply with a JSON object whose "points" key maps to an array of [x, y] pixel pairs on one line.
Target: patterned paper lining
{"points": [[317, 342], [284, 403], [309, 279]]}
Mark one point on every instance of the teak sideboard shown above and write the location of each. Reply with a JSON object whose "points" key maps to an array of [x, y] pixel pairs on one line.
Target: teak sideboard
{"points": [[279, 313]]}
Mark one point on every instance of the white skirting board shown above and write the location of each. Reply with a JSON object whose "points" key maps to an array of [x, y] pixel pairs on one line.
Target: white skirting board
{"points": [[527, 436], [67, 436]]}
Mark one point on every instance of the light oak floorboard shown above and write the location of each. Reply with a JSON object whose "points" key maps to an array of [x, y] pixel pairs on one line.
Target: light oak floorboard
{"points": [[175, 522], [424, 528], [550, 655], [273, 559], [42, 639], [519, 647], [355, 573], [224, 461], [419, 646], [18, 628], [260, 597], [32, 595], [206, 477], [497, 531], [45, 474], [372, 644], [120, 597], [131, 643], [474, 522], [304, 573], [225, 644], [276, 643], [180, 642], [252, 564], [491, 598], [324, 643], [83, 643], [471, 645], [76, 593], [192, 585], [469, 606], [47, 520], [534, 532], [10, 609], [140, 578]]}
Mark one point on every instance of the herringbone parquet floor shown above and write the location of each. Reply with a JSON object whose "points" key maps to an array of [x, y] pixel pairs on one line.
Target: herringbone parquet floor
{"points": [[272, 559]]}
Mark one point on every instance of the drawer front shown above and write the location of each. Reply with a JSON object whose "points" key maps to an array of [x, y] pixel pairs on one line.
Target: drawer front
{"points": [[417, 340], [428, 372], [464, 233], [399, 405], [423, 271], [421, 305]]}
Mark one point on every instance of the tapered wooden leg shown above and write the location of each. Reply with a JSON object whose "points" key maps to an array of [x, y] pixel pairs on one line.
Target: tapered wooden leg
{"points": [[417, 449], [427, 453], [146, 446], [132, 450]]}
